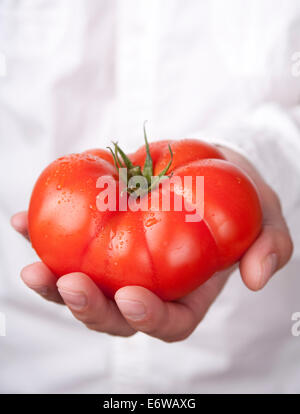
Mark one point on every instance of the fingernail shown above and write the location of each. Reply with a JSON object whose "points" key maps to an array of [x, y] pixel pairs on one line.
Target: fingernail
{"points": [[132, 309], [74, 300], [269, 267]]}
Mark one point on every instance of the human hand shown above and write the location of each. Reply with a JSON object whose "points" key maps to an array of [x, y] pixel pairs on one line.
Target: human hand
{"points": [[136, 308]]}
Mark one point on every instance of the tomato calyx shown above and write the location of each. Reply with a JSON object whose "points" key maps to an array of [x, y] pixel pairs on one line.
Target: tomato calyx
{"points": [[130, 173]]}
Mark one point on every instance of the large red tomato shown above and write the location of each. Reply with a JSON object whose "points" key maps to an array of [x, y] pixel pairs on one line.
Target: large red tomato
{"points": [[154, 248]]}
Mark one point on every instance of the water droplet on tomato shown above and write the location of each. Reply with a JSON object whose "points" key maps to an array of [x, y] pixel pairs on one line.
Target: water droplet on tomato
{"points": [[151, 221]]}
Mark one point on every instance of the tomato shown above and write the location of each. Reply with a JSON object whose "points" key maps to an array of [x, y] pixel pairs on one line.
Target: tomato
{"points": [[150, 247]]}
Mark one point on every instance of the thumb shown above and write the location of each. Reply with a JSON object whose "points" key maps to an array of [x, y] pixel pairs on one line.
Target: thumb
{"points": [[273, 248]]}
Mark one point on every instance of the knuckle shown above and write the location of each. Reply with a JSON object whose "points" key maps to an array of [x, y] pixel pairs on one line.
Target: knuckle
{"points": [[88, 321], [175, 336], [87, 318], [290, 246], [279, 241], [122, 334], [269, 235], [287, 246], [179, 337], [53, 298], [273, 197], [150, 324], [90, 326], [112, 331], [271, 203], [91, 316], [150, 329], [94, 326]]}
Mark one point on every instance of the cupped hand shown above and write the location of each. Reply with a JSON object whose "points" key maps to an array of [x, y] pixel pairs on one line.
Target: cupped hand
{"points": [[136, 308]]}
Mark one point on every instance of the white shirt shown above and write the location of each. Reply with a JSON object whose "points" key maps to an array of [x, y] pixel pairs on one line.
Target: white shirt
{"points": [[75, 74]]}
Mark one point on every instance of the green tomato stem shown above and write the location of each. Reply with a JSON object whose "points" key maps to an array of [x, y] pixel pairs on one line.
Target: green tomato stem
{"points": [[135, 170]]}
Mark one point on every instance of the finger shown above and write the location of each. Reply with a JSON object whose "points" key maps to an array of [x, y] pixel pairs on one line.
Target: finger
{"points": [[147, 313], [273, 248], [19, 222], [38, 277], [89, 305], [168, 321]]}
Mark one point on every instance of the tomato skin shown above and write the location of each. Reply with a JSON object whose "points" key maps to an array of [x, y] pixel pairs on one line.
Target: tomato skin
{"points": [[62, 214], [232, 209], [155, 249]]}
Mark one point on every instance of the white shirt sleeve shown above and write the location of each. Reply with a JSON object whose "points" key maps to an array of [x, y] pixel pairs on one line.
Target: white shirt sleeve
{"points": [[270, 138]]}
